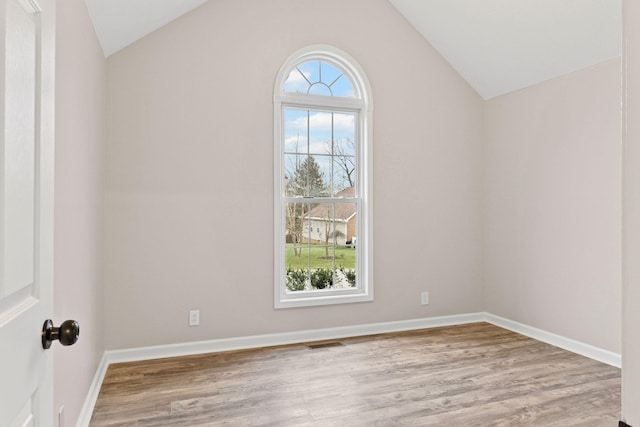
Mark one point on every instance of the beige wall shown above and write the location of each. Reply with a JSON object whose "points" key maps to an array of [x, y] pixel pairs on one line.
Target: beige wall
{"points": [[552, 206], [190, 138], [189, 168], [80, 138], [631, 219]]}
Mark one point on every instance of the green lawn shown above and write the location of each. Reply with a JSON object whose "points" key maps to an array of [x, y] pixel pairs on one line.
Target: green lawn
{"points": [[344, 257]]}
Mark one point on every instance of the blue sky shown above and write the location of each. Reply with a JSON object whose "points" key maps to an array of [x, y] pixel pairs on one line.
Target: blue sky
{"points": [[318, 133], [319, 78]]}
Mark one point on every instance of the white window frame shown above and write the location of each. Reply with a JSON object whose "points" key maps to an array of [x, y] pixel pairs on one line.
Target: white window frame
{"points": [[362, 105]]}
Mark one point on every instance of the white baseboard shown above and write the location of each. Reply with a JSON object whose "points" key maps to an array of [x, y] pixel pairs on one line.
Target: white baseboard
{"points": [[92, 396], [256, 341], [587, 350], [241, 343]]}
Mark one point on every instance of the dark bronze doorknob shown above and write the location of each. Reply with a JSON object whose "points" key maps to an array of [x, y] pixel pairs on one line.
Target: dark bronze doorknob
{"points": [[67, 333]]}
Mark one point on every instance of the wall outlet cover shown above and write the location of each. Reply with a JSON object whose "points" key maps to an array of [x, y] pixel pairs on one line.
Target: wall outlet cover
{"points": [[424, 298], [194, 317]]}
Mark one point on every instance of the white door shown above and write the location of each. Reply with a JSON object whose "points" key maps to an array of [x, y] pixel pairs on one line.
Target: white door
{"points": [[27, 47]]}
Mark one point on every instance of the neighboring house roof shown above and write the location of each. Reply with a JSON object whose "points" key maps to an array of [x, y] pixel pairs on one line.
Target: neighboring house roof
{"points": [[343, 211]]}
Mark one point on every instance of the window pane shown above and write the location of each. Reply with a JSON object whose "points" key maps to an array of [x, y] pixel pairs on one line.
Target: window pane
{"points": [[346, 275], [319, 78], [295, 177], [343, 87], [322, 257], [321, 271], [344, 145], [295, 131], [297, 268], [330, 74], [343, 150], [344, 128], [296, 82], [320, 174], [320, 132], [295, 232], [344, 175], [321, 221], [345, 216], [304, 175], [346, 254], [311, 70]]}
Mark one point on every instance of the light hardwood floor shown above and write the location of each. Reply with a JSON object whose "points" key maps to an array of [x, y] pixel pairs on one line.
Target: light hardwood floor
{"points": [[469, 375]]}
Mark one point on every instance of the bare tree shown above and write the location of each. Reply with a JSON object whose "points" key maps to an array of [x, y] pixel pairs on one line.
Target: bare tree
{"points": [[343, 160], [303, 178], [330, 235]]}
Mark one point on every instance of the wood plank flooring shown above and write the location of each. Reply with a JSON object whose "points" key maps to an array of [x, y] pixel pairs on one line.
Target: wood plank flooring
{"points": [[468, 375]]}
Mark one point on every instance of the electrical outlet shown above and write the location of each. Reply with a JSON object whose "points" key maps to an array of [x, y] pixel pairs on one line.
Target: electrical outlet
{"points": [[194, 317], [424, 298]]}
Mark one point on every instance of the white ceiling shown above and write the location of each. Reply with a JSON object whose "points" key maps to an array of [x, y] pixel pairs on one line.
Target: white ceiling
{"points": [[497, 46], [118, 23]]}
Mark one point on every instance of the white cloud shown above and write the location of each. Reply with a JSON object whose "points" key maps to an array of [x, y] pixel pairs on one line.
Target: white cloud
{"points": [[295, 144], [296, 82], [299, 144], [321, 122], [292, 140]]}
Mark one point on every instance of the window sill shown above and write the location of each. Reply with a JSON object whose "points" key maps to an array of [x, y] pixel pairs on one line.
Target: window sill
{"points": [[318, 300]]}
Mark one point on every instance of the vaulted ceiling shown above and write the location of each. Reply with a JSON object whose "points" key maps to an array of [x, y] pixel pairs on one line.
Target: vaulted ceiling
{"points": [[118, 23], [497, 46]]}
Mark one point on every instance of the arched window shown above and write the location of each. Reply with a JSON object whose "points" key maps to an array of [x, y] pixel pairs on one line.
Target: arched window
{"points": [[323, 170]]}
